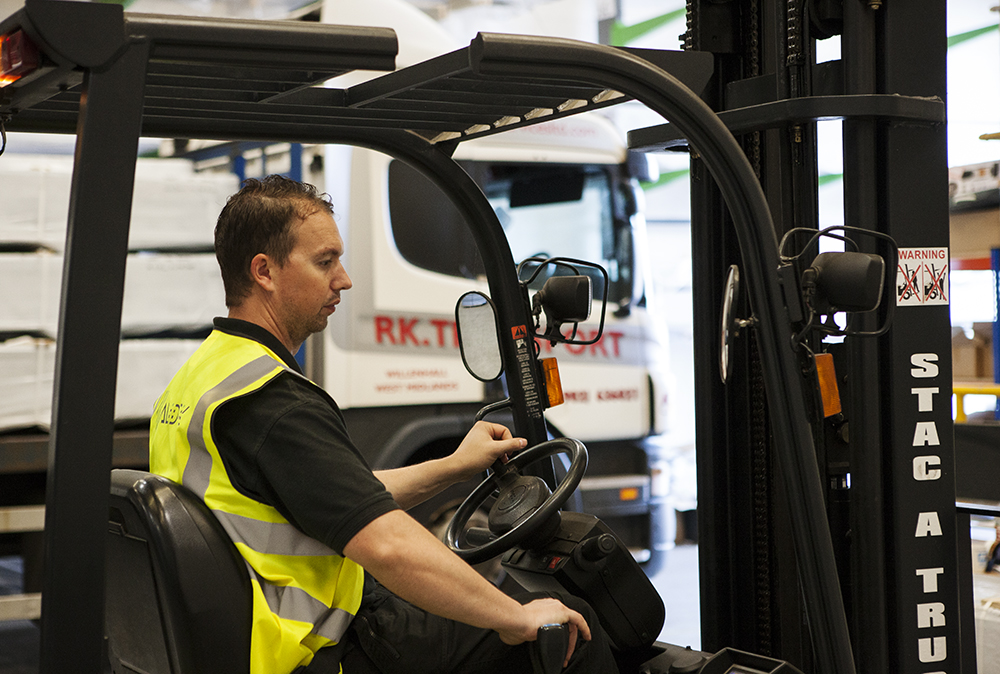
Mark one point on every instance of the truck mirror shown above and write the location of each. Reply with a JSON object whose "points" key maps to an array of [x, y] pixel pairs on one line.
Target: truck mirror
{"points": [[643, 167], [476, 321]]}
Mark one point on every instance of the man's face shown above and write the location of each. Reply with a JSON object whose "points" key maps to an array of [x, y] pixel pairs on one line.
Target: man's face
{"points": [[309, 283]]}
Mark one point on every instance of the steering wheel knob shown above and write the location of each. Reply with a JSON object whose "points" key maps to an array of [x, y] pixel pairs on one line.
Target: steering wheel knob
{"points": [[510, 498], [517, 501]]}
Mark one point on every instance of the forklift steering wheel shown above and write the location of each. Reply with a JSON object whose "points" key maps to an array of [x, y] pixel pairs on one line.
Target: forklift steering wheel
{"points": [[513, 491]]}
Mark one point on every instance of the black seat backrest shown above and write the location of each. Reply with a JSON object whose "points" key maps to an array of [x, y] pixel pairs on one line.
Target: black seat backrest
{"points": [[178, 596]]}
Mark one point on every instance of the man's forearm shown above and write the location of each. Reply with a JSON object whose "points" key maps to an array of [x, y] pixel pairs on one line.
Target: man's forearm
{"points": [[414, 565], [484, 444], [412, 485]]}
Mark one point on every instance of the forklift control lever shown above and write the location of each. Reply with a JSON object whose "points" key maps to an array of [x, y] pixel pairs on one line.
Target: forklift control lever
{"points": [[595, 549], [549, 650]]}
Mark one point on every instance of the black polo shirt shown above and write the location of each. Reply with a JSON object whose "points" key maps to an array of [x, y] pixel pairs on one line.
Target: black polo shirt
{"points": [[286, 445]]}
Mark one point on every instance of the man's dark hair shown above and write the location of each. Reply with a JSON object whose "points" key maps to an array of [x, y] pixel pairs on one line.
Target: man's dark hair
{"points": [[258, 219]]}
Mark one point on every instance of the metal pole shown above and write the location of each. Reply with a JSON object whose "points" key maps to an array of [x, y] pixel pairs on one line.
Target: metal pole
{"points": [[861, 193], [80, 444]]}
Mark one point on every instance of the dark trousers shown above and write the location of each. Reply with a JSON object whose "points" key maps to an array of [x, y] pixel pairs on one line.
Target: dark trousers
{"points": [[391, 636]]}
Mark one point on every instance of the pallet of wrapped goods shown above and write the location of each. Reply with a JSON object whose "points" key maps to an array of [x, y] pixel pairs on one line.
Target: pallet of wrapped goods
{"points": [[145, 367], [163, 291], [174, 207], [27, 365]]}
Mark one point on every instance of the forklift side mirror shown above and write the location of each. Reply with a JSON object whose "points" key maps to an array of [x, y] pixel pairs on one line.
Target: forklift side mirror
{"points": [[476, 323], [731, 323]]}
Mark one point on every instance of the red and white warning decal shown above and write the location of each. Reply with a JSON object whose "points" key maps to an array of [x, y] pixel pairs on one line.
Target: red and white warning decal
{"points": [[922, 277]]}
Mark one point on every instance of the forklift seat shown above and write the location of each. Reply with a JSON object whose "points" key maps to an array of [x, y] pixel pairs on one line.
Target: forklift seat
{"points": [[178, 595]]}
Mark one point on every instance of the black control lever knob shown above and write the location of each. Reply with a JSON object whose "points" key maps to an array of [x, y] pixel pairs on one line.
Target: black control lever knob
{"points": [[597, 548], [548, 651]]}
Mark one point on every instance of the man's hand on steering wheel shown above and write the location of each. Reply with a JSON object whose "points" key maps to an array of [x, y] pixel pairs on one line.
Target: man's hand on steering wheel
{"points": [[483, 445]]}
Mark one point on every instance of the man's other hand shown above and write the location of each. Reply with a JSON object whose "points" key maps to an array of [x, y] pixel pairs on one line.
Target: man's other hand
{"points": [[547, 612]]}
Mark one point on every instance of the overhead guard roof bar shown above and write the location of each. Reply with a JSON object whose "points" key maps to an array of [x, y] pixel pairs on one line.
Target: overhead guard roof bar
{"points": [[205, 80]]}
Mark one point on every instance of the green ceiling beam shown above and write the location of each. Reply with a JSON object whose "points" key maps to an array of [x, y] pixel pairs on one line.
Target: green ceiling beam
{"points": [[622, 35], [969, 35]]}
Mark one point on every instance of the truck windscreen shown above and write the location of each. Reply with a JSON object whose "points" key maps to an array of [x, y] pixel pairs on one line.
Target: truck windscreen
{"points": [[545, 210]]}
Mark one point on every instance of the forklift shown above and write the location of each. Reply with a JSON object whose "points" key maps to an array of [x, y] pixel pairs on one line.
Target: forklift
{"points": [[830, 540]]}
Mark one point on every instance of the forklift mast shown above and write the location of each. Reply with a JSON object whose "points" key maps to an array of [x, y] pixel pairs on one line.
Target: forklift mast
{"points": [[886, 461]]}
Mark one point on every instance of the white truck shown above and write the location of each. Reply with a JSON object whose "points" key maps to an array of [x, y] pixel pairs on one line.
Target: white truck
{"points": [[391, 360], [565, 188]]}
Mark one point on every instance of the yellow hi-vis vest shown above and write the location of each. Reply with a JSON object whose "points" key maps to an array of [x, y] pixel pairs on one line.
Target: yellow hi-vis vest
{"points": [[304, 594]]}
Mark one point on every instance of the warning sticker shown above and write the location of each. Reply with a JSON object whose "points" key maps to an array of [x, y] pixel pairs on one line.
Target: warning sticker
{"points": [[525, 362], [922, 277]]}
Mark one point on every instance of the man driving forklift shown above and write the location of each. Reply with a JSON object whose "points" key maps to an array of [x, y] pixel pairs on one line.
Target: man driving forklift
{"points": [[342, 578]]}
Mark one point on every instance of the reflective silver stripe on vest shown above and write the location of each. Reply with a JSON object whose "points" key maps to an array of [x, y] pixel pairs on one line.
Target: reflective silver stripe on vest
{"points": [[275, 538], [296, 604], [272, 538], [199, 465]]}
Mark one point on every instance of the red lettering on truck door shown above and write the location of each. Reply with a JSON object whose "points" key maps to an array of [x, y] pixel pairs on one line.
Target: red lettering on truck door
{"points": [[383, 329], [441, 324], [406, 330]]}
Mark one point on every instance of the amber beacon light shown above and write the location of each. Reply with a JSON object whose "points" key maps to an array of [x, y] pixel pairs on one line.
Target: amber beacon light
{"points": [[18, 57]]}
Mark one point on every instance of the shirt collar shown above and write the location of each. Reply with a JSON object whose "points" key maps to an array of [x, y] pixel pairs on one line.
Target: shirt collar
{"points": [[241, 328]]}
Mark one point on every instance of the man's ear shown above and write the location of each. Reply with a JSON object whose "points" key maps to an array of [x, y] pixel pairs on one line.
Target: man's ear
{"points": [[260, 271]]}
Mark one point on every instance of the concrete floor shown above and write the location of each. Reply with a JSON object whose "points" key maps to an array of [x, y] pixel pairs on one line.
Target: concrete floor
{"points": [[986, 589], [677, 583]]}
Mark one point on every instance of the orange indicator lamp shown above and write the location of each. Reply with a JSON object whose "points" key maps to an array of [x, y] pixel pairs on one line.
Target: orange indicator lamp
{"points": [[553, 385], [828, 390], [18, 57]]}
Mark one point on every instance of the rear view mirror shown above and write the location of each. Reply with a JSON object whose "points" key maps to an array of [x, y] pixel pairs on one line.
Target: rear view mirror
{"points": [[538, 190], [476, 320]]}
